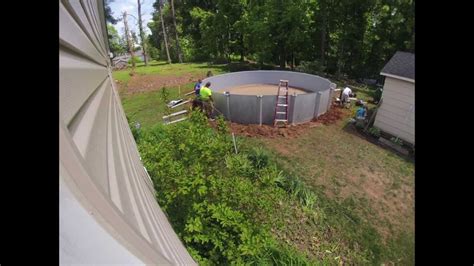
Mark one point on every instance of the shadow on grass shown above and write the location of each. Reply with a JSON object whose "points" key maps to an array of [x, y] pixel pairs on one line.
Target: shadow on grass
{"points": [[152, 64], [220, 67], [351, 129], [241, 66]]}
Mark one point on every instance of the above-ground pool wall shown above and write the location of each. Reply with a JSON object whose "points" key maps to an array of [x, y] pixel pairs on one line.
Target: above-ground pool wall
{"points": [[245, 109], [302, 109], [323, 102], [254, 109], [220, 104], [268, 108], [295, 79]]}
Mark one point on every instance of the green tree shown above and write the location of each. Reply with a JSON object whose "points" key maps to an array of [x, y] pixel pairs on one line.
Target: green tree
{"points": [[354, 38], [116, 45], [108, 13], [158, 4]]}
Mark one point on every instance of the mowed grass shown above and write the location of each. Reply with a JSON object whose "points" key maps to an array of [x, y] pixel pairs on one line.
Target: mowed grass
{"points": [[370, 187], [162, 68], [147, 108]]}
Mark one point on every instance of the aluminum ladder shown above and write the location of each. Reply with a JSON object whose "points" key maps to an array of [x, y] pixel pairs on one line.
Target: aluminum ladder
{"points": [[280, 116]]}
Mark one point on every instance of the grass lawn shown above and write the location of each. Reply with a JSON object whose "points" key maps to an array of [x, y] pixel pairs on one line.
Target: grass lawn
{"points": [[162, 68], [147, 107], [369, 186], [367, 192]]}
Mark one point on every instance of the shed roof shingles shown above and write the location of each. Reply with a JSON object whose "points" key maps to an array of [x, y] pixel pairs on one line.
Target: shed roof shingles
{"points": [[401, 64]]}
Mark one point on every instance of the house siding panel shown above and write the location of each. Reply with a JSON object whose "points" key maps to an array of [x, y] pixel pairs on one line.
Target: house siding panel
{"points": [[98, 155], [396, 114]]}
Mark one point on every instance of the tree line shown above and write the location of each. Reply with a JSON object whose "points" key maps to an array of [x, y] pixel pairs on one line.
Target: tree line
{"points": [[351, 37]]}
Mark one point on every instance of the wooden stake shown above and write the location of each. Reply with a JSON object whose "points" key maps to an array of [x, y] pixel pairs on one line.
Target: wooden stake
{"points": [[235, 146]]}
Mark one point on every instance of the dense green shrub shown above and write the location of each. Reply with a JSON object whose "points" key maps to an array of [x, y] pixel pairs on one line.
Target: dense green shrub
{"points": [[213, 196], [136, 59], [377, 95], [397, 141], [311, 67], [359, 124], [259, 157], [225, 207], [375, 132], [234, 67], [220, 60], [135, 128], [153, 52]]}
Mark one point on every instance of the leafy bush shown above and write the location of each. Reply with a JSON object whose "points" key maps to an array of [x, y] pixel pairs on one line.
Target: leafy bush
{"points": [[136, 59], [397, 141], [377, 94], [306, 197], [165, 98], [311, 67], [375, 132], [234, 67], [272, 176], [153, 52], [186, 47], [135, 128], [240, 165], [220, 60], [213, 197], [232, 208], [259, 157], [266, 67], [359, 124]]}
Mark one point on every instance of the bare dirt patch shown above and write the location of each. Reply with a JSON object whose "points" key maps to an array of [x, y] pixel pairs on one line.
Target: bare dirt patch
{"points": [[144, 83], [267, 131]]}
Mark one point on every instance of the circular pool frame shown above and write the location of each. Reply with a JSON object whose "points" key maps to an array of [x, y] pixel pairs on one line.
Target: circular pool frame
{"points": [[259, 109]]}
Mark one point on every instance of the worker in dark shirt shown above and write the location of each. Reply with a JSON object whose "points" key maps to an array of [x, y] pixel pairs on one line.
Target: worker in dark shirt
{"points": [[197, 87], [197, 103]]}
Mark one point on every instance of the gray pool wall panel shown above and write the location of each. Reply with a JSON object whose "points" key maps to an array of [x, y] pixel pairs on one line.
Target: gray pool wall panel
{"points": [[245, 109]]}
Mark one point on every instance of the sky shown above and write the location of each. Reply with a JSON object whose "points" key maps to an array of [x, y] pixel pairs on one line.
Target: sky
{"points": [[118, 6]]}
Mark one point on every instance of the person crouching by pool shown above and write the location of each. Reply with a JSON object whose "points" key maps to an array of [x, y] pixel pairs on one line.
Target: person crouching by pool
{"points": [[345, 94], [361, 115], [197, 102], [205, 95], [197, 87]]}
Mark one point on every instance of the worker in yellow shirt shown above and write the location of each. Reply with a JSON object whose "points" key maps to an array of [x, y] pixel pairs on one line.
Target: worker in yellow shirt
{"points": [[205, 95]]}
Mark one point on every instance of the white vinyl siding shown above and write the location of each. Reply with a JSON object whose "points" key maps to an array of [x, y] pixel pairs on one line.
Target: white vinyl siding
{"points": [[396, 114], [95, 137]]}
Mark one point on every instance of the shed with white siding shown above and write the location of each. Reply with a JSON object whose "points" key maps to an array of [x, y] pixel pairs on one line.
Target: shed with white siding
{"points": [[396, 113]]}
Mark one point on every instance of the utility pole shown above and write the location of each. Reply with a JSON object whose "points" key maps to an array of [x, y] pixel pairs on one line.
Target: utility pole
{"points": [[129, 41], [142, 35]]}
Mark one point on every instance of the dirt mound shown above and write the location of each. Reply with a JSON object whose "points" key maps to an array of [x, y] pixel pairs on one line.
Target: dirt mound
{"points": [[268, 131], [142, 83], [291, 131], [334, 114]]}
